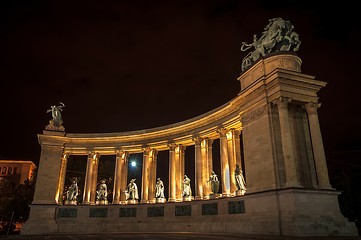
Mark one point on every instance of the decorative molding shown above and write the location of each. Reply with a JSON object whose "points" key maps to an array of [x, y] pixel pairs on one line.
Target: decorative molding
{"points": [[282, 102], [311, 107], [222, 131]]}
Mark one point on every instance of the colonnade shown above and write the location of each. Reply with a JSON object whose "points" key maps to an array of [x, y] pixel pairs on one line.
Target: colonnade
{"points": [[282, 153], [230, 154]]}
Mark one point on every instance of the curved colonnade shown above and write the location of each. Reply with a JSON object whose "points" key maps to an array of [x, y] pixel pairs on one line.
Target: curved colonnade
{"points": [[283, 157]]}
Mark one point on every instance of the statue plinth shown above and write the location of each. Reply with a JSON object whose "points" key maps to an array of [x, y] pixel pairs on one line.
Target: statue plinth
{"points": [[188, 199], [268, 64], [55, 126], [214, 195], [101, 202], [160, 200], [70, 202], [132, 201], [240, 192]]}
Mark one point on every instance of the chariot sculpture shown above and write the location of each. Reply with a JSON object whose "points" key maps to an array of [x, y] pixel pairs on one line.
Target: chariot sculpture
{"points": [[278, 35]]}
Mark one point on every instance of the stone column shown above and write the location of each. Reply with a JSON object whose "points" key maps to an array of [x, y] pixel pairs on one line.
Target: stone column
{"points": [[207, 165], [145, 176], [152, 175], [232, 158], [94, 178], [92, 158], [289, 155], [124, 178], [180, 171], [237, 146], [172, 173], [64, 161], [317, 146], [198, 171], [225, 172], [120, 177]]}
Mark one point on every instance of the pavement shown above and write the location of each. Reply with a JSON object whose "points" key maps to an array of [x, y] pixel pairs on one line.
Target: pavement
{"points": [[171, 236]]}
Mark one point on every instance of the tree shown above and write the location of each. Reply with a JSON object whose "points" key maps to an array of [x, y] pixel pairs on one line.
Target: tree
{"points": [[15, 199]]}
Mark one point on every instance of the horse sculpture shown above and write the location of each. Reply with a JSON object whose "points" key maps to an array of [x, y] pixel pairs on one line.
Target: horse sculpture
{"points": [[278, 35]]}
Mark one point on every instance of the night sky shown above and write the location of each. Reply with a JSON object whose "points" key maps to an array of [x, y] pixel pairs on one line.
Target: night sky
{"points": [[130, 65]]}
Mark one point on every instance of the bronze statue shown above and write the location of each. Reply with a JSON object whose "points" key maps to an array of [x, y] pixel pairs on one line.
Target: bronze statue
{"points": [[56, 113], [278, 35]]}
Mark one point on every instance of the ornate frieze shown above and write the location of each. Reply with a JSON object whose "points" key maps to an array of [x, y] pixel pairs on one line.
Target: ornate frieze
{"points": [[249, 117]]}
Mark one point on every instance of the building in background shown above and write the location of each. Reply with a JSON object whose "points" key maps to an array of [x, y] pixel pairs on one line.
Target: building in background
{"points": [[16, 171]]}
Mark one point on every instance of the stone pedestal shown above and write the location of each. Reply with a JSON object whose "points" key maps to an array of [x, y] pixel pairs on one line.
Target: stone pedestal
{"points": [[101, 202], [214, 196], [188, 199], [130, 201], [160, 200], [73, 202], [240, 193], [41, 220]]}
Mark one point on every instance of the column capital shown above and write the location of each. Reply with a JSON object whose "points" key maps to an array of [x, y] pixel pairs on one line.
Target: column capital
{"points": [[93, 155], [146, 150], [311, 107], [153, 151], [172, 146], [197, 140], [121, 154], [222, 131], [209, 141], [65, 156], [181, 148], [233, 134], [282, 102]]}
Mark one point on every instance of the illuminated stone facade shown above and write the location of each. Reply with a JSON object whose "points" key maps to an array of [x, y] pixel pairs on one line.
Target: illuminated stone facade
{"points": [[16, 171], [288, 190]]}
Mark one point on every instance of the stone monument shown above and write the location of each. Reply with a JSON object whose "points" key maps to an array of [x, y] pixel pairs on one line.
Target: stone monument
{"points": [[288, 191]]}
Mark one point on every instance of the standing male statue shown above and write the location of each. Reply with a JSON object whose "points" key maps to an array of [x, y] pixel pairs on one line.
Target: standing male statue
{"points": [[102, 192], [72, 193], [159, 189], [187, 191], [213, 179], [132, 190], [240, 182]]}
